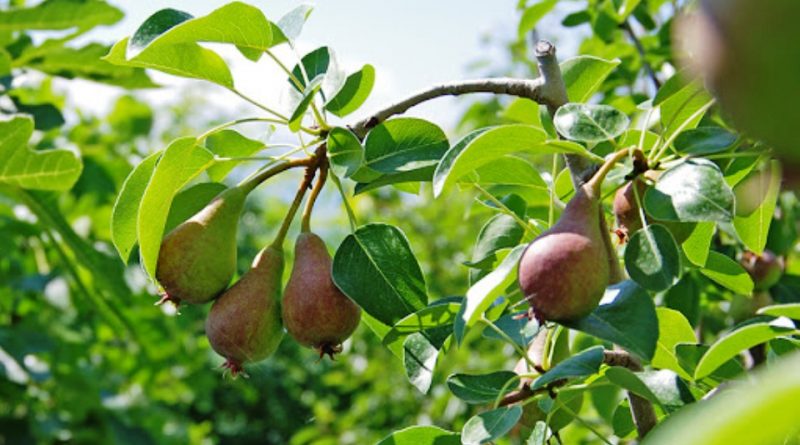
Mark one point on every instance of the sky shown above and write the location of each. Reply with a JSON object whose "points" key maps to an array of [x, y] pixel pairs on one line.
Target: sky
{"points": [[413, 44]]}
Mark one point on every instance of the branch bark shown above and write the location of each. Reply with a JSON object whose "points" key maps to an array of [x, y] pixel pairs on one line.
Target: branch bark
{"points": [[527, 88]]}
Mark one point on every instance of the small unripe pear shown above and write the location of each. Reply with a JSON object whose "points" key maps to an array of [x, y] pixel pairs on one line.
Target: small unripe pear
{"points": [[198, 257], [629, 220], [316, 313], [765, 269], [244, 324]]}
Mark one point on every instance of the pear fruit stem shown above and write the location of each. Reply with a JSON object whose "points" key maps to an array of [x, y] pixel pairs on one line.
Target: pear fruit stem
{"points": [[592, 187], [308, 177], [305, 223]]}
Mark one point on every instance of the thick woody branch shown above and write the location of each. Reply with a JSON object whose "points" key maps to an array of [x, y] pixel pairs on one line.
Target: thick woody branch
{"points": [[531, 89], [642, 412]]}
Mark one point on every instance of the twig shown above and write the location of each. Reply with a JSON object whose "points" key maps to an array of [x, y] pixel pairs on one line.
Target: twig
{"points": [[644, 416], [640, 49]]}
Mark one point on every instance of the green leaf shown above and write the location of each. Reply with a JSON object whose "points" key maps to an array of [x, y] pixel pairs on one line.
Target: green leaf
{"points": [[739, 168], [86, 62], [345, 152], [727, 273], [190, 201], [509, 175], [791, 310], [5, 64], [181, 162], [517, 327], [236, 23], [501, 232], [698, 245], [628, 380], [480, 388], [60, 14], [375, 268], [523, 111], [673, 328], [692, 191], [435, 321], [301, 102], [487, 144], [419, 358], [684, 297], [483, 293], [291, 24], [652, 258], [37, 170], [689, 355], [422, 435], [679, 110], [319, 67], [757, 410], [126, 208], [704, 141], [626, 316], [353, 93], [752, 225], [540, 434], [490, 425], [531, 16], [739, 340], [185, 60], [671, 392], [590, 123], [229, 144], [404, 145], [583, 364], [583, 76]]}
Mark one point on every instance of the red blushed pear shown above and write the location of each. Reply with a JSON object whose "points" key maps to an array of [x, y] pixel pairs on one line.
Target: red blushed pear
{"points": [[315, 312], [244, 324], [564, 272]]}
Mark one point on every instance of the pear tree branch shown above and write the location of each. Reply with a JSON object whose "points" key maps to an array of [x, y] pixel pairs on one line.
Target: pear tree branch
{"points": [[644, 416]]}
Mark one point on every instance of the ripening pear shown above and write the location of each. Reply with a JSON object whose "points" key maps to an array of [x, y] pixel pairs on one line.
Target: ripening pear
{"points": [[244, 324], [564, 272], [198, 257], [316, 313]]}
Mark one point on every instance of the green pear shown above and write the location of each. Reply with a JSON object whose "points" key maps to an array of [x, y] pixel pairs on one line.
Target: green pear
{"points": [[244, 324], [198, 257], [316, 313]]}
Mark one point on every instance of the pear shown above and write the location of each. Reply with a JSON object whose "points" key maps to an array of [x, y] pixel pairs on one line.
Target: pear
{"points": [[316, 313], [747, 50], [765, 269], [244, 324], [198, 257], [564, 272], [626, 212]]}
